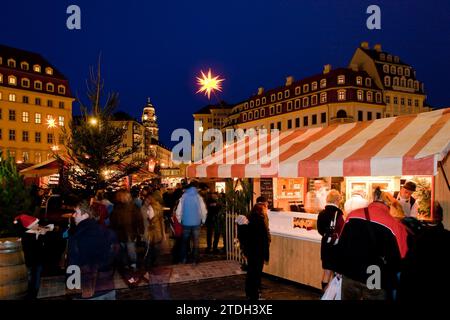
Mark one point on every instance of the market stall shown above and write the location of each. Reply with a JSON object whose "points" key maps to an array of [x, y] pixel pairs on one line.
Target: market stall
{"points": [[382, 152]]}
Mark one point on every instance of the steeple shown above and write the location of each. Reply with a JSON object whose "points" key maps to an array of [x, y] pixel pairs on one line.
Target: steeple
{"points": [[149, 120]]}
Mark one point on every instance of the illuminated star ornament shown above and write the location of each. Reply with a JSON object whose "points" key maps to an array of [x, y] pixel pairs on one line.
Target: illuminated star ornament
{"points": [[209, 83], [51, 123]]}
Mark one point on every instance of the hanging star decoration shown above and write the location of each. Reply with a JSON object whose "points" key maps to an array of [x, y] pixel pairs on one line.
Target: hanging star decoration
{"points": [[51, 123], [209, 83]]}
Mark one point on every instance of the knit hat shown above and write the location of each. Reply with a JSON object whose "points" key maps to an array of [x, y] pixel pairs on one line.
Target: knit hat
{"points": [[411, 186], [26, 221]]}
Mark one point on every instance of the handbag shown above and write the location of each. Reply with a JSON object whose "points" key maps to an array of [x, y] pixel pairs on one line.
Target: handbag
{"points": [[176, 227], [333, 291], [332, 237]]}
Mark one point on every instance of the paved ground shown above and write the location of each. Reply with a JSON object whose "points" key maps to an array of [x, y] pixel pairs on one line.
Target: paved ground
{"points": [[214, 278]]}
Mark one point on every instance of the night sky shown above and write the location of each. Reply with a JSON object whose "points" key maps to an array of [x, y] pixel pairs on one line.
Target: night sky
{"points": [[156, 48]]}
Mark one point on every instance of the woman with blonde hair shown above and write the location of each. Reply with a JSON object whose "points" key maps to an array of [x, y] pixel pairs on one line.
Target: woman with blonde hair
{"points": [[152, 214], [395, 208]]}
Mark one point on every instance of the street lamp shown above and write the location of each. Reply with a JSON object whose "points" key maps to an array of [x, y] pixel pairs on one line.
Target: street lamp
{"points": [[93, 121]]}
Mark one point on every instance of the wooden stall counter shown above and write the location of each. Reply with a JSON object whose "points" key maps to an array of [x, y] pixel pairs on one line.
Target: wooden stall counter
{"points": [[295, 248]]}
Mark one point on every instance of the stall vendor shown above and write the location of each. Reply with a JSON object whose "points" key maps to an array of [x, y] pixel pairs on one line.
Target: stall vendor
{"points": [[404, 197]]}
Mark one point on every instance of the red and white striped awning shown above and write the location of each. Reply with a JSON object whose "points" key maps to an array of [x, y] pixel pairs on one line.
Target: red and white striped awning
{"points": [[404, 145]]}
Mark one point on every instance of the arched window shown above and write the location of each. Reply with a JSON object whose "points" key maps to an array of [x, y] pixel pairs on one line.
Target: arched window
{"points": [[49, 70], [341, 95], [395, 81], [37, 68], [387, 81], [24, 65], [11, 63], [61, 89], [410, 83], [341, 114], [50, 87], [385, 68], [12, 80]]}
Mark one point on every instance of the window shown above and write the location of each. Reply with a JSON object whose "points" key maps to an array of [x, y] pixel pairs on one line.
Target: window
{"points": [[272, 110], [12, 135], [49, 70], [263, 112], [12, 80], [25, 83], [25, 136], [410, 83], [305, 102], [416, 85], [256, 116], [272, 98], [61, 121], [50, 138], [359, 81], [360, 115], [297, 122], [389, 58], [395, 81], [407, 72], [11, 63], [385, 68], [0, 114], [38, 85], [387, 81], [25, 116], [37, 137], [250, 116], [60, 139], [37, 101], [246, 106], [416, 103], [341, 95], [49, 103], [252, 104], [314, 100], [280, 95], [286, 94], [279, 108], [388, 99], [378, 97], [402, 101], [263, 100], [297, 90], [369, 115], [61, 104], [37, 68], [314, 86], [289, 106], [396, 59], [369, 96], [305, 88], [378, 115], [12, 97], [323, 83], [272, 126], [323, 97], [400, 71], [297, 104], [37, 118], [323, 117], [382, 56], [279, 125], [1, 78], [50, 87], [244, 117], [314, 119], [393, 70], [341, 114], [359, 95], [305, 121], [289, 124], [368, 82], [403, 82], [37, 157], [0, 96], [12, 115], [24, 66], [395, 100], [409, 102], [341, 79]]}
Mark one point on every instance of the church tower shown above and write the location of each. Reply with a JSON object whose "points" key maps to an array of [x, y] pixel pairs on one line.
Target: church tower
{"points": [[149, 120]]}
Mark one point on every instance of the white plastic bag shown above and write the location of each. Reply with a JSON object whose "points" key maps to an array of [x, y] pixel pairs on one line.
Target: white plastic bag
{"points": [[333, 291]]}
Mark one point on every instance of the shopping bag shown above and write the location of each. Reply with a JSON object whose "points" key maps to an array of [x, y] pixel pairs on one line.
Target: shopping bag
{"points": [[176, 226], [333, 291]]}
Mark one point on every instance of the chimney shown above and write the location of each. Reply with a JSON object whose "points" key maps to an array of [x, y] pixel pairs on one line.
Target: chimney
{"points": [[354, 67], [326, 68], [289, 80], [260, 91], [377, 47], [365, 45]]}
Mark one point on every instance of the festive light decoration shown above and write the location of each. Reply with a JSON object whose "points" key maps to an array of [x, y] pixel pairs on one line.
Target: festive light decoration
{"points": [[209, 83]]}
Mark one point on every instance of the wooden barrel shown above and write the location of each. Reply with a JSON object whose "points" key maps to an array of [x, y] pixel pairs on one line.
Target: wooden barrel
{"points": [[13, 272]]}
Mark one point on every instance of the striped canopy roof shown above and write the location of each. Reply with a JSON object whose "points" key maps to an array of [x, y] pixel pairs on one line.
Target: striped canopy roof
{"points": [[404, 145]]}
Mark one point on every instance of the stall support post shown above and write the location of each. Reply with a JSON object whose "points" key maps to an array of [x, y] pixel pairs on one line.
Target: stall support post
{"points": [[433, 182]]}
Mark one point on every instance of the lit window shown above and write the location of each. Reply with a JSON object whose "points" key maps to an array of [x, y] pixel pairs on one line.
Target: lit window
{"points": [[12, 97], [25, 116], [12, 80], [323, 83], [37, 118], [37, 68], [369, 96], [314, 86], [385, 68], [359, 81], [305, 102], [37, 157], [323, 97], [49, 70], [359, 95], [341, 79], [341, 95], [1, 78], [61, 121]]}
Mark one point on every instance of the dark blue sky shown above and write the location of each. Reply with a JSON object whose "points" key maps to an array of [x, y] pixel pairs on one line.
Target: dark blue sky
{"points": [[156, 48]]}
